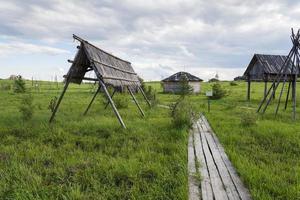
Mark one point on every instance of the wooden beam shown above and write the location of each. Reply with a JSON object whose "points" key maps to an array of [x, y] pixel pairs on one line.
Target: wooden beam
{"points": [[265, 90], [87, 109], [111, 98], [112, 103], [145, 97], [249, 88], [59, 100], [135, 101], [287, 96]]}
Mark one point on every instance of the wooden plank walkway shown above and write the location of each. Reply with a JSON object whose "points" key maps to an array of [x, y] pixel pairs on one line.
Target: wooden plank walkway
{"points": [[207, 158]]}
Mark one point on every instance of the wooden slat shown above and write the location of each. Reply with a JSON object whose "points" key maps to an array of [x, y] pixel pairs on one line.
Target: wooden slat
{"points": [[220, 165], [194, 193], [206, 188], [243, 192], [216, 182]]}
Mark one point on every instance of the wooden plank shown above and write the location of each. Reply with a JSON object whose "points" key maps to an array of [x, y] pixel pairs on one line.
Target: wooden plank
{"points": [[216, 182], [242, 190], [206, 188], [222, 169], [194, 193]]}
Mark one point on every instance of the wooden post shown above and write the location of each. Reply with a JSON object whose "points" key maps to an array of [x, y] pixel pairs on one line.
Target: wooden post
{"points": [[135, 101], [111, 98], [294, 96], [249, 88], [112, 103], [265, 91], [59, 100], [274, 90], [287, 96], [87, 109], [145, 97]]}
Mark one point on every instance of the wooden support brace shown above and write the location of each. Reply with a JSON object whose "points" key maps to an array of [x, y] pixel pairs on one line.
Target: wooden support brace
{"points": [[112, 103], [59, 100], [111, 98], [145, 97], [135, 101], [249, 88], [87, 109]]}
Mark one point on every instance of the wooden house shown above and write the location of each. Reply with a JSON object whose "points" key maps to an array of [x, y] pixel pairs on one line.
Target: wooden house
{"points": [[172, 83]]}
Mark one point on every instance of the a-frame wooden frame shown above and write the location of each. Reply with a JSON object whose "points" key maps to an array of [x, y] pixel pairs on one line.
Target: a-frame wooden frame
{"points": [[101, 86]]}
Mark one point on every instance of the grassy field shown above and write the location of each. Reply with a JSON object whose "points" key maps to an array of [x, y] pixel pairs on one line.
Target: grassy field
{"points": [[92, 157]]}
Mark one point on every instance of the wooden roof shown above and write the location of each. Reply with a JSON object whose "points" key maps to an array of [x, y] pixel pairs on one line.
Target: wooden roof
{"points": [[180, 75], [109, 68], [263, 65]]}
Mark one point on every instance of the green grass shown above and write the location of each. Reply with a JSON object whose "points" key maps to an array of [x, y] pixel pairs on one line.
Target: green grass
{"points": [[93, 157], [266, 155], [89, 157]]}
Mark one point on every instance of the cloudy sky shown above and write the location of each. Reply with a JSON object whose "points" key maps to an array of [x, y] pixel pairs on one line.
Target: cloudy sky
{"points": [[158, 37]]}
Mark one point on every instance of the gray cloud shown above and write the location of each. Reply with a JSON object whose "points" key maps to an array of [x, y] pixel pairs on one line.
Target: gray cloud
{"points": [[216, 35]]}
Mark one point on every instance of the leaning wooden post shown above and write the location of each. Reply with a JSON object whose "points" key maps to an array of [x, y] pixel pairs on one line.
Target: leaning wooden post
{"points": [[274, 90], [145, 97], [60, 98], [87, 109], [265, 91], [249, 88], [112, 103], [287, 96], [135, 101], [111, 98], [294, 96]]}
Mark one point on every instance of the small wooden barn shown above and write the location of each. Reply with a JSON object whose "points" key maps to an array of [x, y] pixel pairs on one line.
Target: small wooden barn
{"points": [[172, 83], [265, 68]]}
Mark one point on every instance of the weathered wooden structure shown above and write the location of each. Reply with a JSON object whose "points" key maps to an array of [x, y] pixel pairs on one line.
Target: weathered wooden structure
{"points": [[288, 72], [172, 83], [110, 71], [265, 68], [219, 179]]}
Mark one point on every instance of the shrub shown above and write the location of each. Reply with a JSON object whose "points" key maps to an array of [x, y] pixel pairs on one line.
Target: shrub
{"points": [[233, 83], [218, 91], [19, 85], [151, 95], [248, 118], [52, 104], [121, 101], [5, 86], [182, 113], [185, 89], [26, 107]]}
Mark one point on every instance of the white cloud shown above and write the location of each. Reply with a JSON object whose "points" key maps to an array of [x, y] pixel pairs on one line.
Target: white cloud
{"points": [[156, 34], [27, 48]]}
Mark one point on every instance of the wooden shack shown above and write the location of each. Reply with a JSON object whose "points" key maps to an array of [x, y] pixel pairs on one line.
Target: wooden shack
{"points": [[172, 83], [265, 68]]}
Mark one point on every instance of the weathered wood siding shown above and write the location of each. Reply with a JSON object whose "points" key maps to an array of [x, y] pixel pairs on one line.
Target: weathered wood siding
{"points": [[174, 87]]}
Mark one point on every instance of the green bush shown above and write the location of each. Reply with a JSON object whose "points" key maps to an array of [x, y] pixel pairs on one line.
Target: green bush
{"points": [[151, 95], [26, 107], [248, 118], [121, 101], [185, 89], [52, 104], [5, 86], [182, 113], [233, 83], [218, 91], [19, 85]]}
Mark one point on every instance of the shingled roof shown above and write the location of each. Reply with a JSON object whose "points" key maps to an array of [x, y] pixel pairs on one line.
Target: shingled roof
{"points": [[109, 68], [180, 75], [263, 65]]}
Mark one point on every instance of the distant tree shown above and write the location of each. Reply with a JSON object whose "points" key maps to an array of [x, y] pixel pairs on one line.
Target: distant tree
{"points": [[184, 87], [143, 85], [218, 91], [213, 80], [26, 107], [19, 85]]}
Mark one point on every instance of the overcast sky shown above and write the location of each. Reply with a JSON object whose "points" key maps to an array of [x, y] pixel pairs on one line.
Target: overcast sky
{"points": [[158, 37]]}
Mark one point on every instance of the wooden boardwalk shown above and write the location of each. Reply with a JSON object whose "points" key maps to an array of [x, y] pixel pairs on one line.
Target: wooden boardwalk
{"points": [[208, 161]]}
